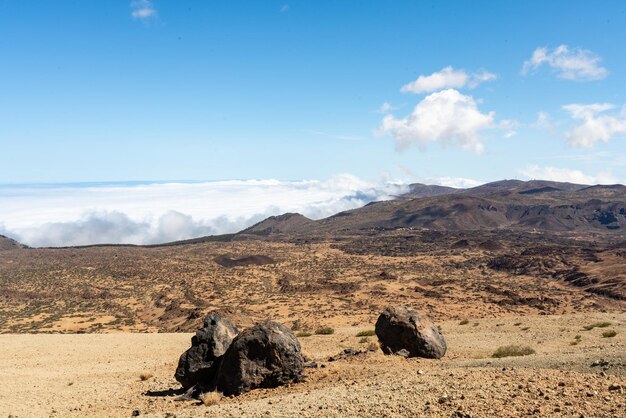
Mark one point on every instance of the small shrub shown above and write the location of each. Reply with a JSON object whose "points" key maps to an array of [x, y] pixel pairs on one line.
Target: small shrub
{"points": [[303, 334], [517, 324], [525, 328], [596, 325], [324, 331], [368, 333], [210, 398], [145, 375], [512, 351], [609, 334], [464, 322], [363, 340], [372, 346], [475, 324]]}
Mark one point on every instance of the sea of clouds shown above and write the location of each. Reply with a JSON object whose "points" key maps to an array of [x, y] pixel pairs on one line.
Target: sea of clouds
{"points": [[67, 215]]}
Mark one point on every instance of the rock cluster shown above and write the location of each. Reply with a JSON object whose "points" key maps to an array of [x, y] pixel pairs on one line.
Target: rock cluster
{"points": [[403, 331], [222, 358]]}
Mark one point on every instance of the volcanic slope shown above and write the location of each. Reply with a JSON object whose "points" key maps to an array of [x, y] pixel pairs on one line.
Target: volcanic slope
{"points": [[510, 204]]}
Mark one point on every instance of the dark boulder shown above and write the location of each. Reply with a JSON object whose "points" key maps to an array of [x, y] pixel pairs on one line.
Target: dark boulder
{"points": [[264, 356], [199, 364], [403, 331]]}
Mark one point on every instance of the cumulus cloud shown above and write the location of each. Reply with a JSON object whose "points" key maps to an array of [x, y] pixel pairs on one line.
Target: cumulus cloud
{"points": [[566, 175], [569, 64], [142, 10], [447, 117], [157, 213], [595, 125], [447, 78]]}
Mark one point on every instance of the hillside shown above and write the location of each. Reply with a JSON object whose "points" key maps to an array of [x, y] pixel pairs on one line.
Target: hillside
{"points": [[512, 204], [7, 243]]}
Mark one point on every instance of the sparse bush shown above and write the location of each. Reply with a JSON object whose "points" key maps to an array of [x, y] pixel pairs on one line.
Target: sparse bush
{"points": [[303, 334], [367, 333], [363, 340], [145, 375], [324, 331], [596, 325], [577, 339], [372, 346], [464, 322], [525, 328], [210, 398], [512, 351], [609, 334], [517, 324]]}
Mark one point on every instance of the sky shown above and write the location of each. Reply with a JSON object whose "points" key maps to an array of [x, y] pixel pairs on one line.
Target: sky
{"points": [[101, 99]]}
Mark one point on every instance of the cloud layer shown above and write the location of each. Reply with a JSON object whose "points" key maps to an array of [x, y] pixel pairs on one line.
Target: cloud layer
{"points": [[566, 175], [156, 213], [569, 64]]}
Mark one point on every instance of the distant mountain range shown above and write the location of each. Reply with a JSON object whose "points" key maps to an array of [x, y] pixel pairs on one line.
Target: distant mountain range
{"points": [[541, 206], [511, 204]]}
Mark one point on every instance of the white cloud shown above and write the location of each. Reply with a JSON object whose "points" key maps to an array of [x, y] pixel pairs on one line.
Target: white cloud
{"points": [[284, 8], [386, 108], [566, 175], [156, 213], [570, 64], [143, 10], [509, 127], [457, 182], [448, 117], [544, 122], [447, 78], [595, 126]]}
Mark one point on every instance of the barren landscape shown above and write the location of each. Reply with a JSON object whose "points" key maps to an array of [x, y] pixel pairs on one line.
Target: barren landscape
{"points": [[99, 374], [129, 309]]}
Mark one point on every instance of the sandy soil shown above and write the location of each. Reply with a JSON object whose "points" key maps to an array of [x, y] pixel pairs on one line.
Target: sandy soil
{"points": [[99, 375]]}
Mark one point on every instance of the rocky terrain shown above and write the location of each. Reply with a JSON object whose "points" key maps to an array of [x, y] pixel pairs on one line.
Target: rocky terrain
{"points": [[574, 372], [541, 264]]}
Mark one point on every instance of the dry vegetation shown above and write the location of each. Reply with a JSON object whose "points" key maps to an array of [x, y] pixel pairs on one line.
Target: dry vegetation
{"points": [[499, 293], [319, 283]]}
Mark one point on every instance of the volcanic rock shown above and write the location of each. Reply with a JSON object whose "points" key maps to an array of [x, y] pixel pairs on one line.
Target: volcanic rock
{"points": [[199, 364], [264, 356], [401, 330]]}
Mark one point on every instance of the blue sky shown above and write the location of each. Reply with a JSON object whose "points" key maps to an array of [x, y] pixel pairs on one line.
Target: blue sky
{"points": [[330, 104], [200, 90]]}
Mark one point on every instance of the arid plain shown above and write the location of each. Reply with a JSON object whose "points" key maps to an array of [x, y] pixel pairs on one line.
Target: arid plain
{"points": [[97, 331]]}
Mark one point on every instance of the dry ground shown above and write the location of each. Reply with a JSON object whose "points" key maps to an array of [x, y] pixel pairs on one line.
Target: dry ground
{"points": [[338, 282], [99, 374]]}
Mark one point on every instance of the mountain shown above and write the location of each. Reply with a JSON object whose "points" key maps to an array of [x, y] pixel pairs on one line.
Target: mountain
{"points": [[286, 223], [7, 243], [417, 190], [513, 204]]}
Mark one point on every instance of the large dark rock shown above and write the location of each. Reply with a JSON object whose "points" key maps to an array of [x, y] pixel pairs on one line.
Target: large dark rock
{"points": [[264, 356], [403, 331], [199, 364]]}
